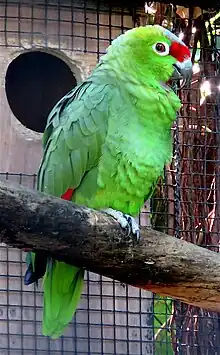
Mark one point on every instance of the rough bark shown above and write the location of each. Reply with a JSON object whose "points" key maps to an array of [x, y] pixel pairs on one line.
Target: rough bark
{"points": [[93, 240]]}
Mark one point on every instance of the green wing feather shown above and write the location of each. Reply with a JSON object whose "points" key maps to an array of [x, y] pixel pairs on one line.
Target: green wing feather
{"points": [[73, 138], [72, 143]]}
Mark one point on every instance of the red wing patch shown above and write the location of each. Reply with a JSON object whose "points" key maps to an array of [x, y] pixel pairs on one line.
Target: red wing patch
{"points": [[180, 52], [68, 194]]}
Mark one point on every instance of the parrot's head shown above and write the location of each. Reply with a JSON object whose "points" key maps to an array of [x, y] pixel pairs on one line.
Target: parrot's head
{"points": [[154, 52]]}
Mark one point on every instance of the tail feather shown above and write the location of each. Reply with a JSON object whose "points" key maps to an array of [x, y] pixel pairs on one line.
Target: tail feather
{"points": [[37, 263], [63, 286]]}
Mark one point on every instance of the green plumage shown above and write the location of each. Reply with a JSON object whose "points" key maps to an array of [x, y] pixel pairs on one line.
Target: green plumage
{"points": [[109, 139]]}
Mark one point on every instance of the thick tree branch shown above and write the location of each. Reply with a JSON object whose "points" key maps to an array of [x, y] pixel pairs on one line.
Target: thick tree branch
{"points": [[93, 240]]}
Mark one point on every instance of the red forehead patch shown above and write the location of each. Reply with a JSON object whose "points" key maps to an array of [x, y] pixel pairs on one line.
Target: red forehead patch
{"points": [[180, 52]]}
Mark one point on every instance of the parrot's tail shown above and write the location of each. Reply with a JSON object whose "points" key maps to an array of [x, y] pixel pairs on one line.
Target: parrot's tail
{"points": [[63, 286], [37, 264]]}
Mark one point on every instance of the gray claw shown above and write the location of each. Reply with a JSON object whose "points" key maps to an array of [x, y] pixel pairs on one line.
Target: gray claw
{"points": [[126, 221], [133, 226]]}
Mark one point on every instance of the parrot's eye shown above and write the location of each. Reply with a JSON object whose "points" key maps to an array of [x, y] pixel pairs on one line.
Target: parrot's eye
{"points": [[161, 48]]}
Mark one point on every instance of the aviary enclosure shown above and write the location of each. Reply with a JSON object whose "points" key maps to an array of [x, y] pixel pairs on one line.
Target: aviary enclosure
{"points": [[46, 47]]}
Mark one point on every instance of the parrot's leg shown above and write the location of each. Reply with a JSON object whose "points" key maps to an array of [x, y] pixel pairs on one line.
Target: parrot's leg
{"points": [[125, 221]]}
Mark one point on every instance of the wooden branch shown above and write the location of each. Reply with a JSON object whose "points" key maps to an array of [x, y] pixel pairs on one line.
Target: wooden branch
{"points": [[93, 240]]}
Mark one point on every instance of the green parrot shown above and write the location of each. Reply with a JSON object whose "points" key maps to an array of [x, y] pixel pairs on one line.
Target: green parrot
{"points": [[105, 145]]}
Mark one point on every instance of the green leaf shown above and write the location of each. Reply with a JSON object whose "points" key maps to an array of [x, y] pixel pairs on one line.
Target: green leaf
{"points": [[162, 334]]}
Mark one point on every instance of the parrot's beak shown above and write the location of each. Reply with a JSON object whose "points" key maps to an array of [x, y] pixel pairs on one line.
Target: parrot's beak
{"points": [[182, 71]]}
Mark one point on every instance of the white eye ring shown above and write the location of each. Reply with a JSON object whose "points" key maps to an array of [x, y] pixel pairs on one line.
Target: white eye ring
{"points": [[161, 48]]}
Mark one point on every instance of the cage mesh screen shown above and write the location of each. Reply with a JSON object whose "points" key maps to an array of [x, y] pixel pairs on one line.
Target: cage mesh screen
{"points": [[186, 204], [114, 318], [66, 25]]}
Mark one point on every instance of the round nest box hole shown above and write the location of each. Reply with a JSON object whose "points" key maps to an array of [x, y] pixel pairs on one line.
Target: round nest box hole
{"points": [[34, 82]]}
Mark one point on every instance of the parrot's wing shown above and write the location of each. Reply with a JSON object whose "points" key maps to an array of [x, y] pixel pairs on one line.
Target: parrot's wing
{"points": [[73, 138], [72, 141]]}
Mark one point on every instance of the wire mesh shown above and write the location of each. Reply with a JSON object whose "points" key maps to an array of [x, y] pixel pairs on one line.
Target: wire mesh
{"points": [[111, 318], [114, 318], [191, 189], [81, 26]]}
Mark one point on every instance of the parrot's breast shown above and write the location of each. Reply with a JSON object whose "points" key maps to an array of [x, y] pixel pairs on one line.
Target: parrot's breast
{"points": [[131, 179], [137, 146], [125, 177]]}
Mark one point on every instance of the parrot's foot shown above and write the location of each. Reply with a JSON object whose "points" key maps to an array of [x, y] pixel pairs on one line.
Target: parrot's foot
{"points": [[125, 221]]}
